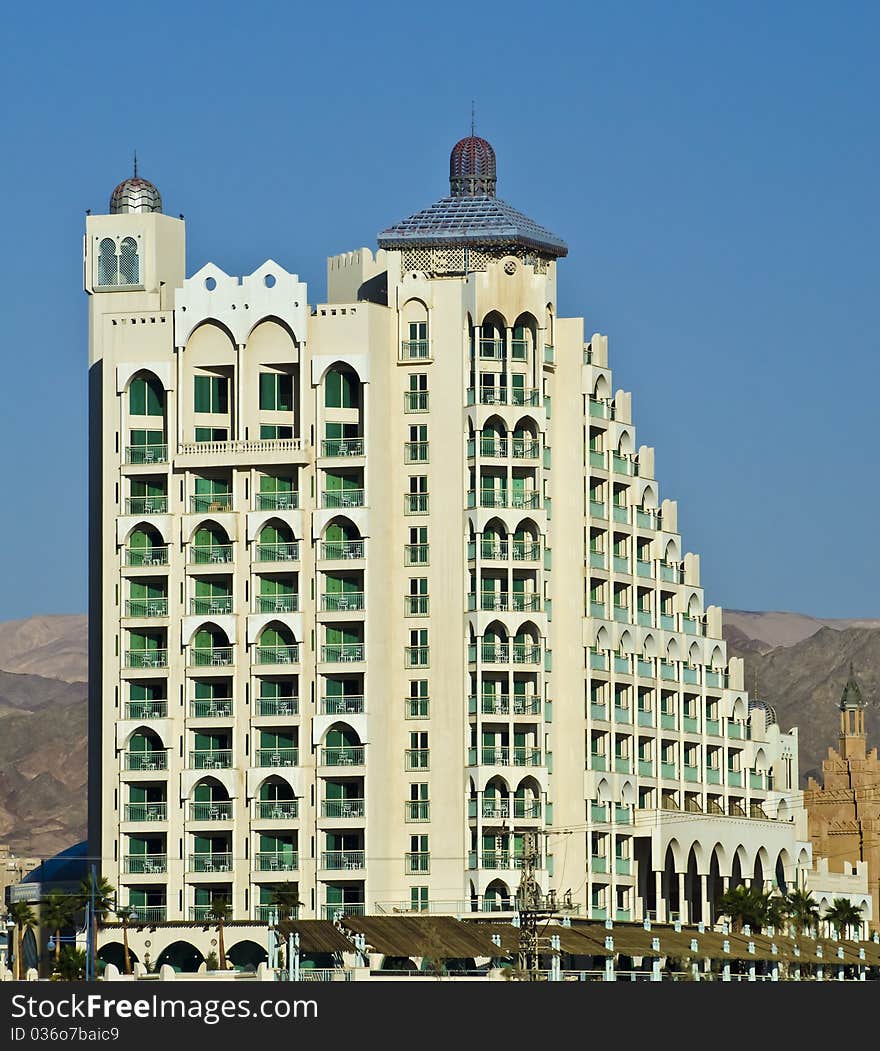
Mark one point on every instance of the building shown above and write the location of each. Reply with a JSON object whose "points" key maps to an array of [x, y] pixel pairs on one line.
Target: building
{"points": [[384, 591], [13, 869], [844, 811]]}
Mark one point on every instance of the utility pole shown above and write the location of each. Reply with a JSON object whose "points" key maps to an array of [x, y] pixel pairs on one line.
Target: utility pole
{"points": [[530, 907]]}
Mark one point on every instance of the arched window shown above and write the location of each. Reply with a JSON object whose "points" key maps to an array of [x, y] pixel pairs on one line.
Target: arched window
{"points": [[341, 389], [146, 396], [129, 268], [107, 271]]}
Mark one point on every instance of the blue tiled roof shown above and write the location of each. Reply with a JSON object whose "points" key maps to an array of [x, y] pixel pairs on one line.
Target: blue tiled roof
{"points": [[466, 220]]}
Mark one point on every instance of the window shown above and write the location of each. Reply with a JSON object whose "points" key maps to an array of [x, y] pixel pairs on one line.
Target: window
{"points": [[416, 500], [418, 701], [122, 269], [211, 393], [416, 604], [211, 434], [418, 805], [146, 396], [416, 551], [418, 899], [418, 330], [417, 652], [341, 390], [276, 391], [416, 449], [419, 858], [416, 398], [268, 430], [417, 754]]}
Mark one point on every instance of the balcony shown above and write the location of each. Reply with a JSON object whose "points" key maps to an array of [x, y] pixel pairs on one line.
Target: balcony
{"points": [[622, 664], [668, 770], [221, 810], [597, 559], [342, 601], [209, 863], [644, 568], [336, 498], [345, 704], [145, 864], [622, 713], [343, 859], [140, 454], [210, 708], [146, 709], [147, 556], [276, 553], [620, 513], [341, 550], [415, 401], [670, 572], [146, 812], [645, 717], [620, 564], [601, 409], [526, 809], [330, 911], [149, 913], [211, 759], [341, 447], [647, 518], [715, 678], [343, 808], [146, 607], [286, 603], [342, 653], [417, 810], [624, 464], [646, 768], [417, 707], [278, 706], [276, 809], [645, 668], [343, 755], [489, 756], [598, 711], [621, 764], [525, 756], [202, 503], [414, 349], [690, 724], [599, 659], [417, 862], [416, 605], [146, 658], [154, 760], [415, 503], [691, 772], [598, 509], [734, 778], [622, 866], [284, 501], [277, 654], [417, 759], [668, 720], [667, 670], [599, 863], [713, 727], [209, 554], [756, 781], [713, 775], [735, 730], [415, 452], [210, 656], [690, 675], [599, 813], [284, 756], [146, 505], [213, 606], [277, 861]]}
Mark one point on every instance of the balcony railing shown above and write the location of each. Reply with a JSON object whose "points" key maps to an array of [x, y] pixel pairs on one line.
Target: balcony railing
{"points": [[416, 605], [342, 652], [417, 656], [417, 862], [500, 704], [146, 505], [415, 401], [147, 556], [342, 601], [287, 603], [343, 859], [415, 452], [343, 755], [149, 913], [211, 759], [282, 756], [139, 454], [146, 658], [146, 709], [505, 602], [145, 864], [212, 606], [345, 704], [348, 908], [146, 607], [277, 809], [210, 656], [417, 810], [277, 654], [210, 708], [417, 759], [416, 554], [209, 863], [204, 502], [154, 760], [280, 861], [415, 503], [339, 550], [339, 447], [201, 554], [334, 498], [414, 349], [503, 498], [504, 653], [283, 501], [504, 396], [277, 552], [219, 810], [526, 756], [277, 706], [146, 811], [492, 349], [343, 808]]}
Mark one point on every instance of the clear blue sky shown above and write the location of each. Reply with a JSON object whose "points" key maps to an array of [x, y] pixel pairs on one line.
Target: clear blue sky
{"points": [[714, 169]]}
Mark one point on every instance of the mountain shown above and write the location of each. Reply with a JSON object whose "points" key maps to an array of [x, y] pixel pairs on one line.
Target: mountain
{"points": [[804, 675], [53, 647]]}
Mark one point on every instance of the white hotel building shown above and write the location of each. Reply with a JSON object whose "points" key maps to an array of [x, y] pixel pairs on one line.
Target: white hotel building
{"points": [[382, 584]]}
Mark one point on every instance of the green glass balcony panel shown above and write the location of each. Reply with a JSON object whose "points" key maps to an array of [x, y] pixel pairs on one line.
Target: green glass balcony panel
{"points": [[646, 768], [668, 770], [646, 718], [597, 559], [667, 671], [689, 625], [622, 814], [756, 780], [620, 564], [668, 572], [598, 863], [644, 568], [597, 459], [734, 730], [690, 675], [621, 765], [713, 727], [734, 778], [668, 720], [597, 509], [598, 711], [690, 724], [622, 665], [713, 775], [691, 773], [667, 622], [599, 812], [599, 660], [622, 714], [621, 614], [597, 609], [598, 762], [598, 409], [715, 678], [646, 519], [621, 513], [622, 866], [645, 668]]}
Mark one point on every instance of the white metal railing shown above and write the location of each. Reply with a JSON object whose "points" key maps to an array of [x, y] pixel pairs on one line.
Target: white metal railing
{"points": [[258, 445]]}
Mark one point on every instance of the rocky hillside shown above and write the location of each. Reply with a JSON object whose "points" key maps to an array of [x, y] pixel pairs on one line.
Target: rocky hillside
{"points": [[51, 647]]}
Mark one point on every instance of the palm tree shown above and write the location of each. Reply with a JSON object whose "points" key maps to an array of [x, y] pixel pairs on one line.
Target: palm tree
{"points": [[100, 901], [125, 913], [72, 964], [744, 905], [843, 916], [23, 916], [802, 908], [221, 911], [56, 911], [286, 897], [777, 911]]}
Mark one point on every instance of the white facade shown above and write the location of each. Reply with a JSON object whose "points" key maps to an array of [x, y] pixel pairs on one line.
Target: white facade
{"points": [[379, 586]]}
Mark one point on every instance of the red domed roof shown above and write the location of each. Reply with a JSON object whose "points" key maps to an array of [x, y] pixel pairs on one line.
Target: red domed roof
{"points": [[472, 168]]}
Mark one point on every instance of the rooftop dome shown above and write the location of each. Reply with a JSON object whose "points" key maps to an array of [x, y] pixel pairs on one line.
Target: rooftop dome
{"points": [[135, 195], [472, 168]]}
